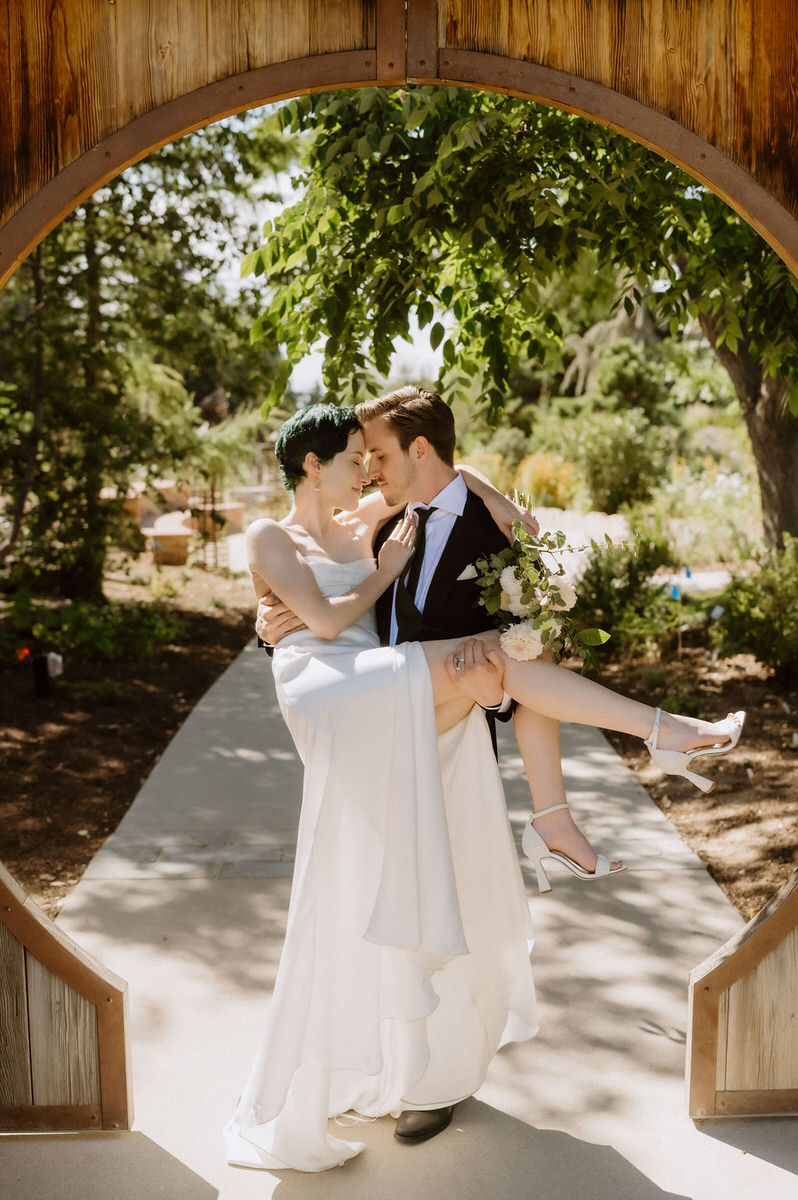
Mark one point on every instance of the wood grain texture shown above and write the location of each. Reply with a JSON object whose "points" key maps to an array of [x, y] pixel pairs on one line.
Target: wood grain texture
{"points": [[761, 1025], [724, 69], [78, 1058], [45, 1118], [15, 1083], [742, 1045], [390, 40], [75, 74], [63, 1041]]}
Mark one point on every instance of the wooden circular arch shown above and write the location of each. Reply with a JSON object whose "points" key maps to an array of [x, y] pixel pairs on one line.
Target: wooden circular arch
{"points": [[88, 87]]}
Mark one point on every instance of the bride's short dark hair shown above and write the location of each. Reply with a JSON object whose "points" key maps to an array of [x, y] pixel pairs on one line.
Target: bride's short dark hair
{"points": [[320, 429]]}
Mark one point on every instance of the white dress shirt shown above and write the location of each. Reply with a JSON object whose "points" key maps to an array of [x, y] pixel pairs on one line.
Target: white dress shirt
{"points": [[450, 503]]}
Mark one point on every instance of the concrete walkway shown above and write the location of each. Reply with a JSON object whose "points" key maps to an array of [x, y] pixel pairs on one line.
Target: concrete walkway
{"points": [[187, 902]]}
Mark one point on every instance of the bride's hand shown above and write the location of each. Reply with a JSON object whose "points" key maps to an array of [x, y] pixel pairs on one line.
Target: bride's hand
{"points": [[504, 511], [275, 620], [397, 549]]}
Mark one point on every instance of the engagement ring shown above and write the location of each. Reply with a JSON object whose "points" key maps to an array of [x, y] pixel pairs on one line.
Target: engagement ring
{"points": [[458, 662]]}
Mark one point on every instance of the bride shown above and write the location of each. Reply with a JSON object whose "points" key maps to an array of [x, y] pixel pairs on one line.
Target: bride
{"points": [[405, 965]]}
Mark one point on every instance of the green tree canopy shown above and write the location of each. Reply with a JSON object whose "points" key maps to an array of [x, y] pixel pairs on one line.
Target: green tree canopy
{"points": [[459, 207], [133, 277]]}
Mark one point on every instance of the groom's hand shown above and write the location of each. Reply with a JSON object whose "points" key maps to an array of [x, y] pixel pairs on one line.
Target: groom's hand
{"points": [[481, 675], [275, 620]]}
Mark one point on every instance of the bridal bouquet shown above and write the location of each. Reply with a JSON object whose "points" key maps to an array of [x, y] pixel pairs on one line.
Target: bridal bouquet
{"points": [[536, 608]]}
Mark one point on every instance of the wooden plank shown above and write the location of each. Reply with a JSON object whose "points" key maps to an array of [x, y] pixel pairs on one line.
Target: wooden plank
{"points": [[701, 1051], [762, 1037], [163, 51], [246, 34], [15, 1082], [390, 40], [338, 25], [756, 1104], [278, 32], [52, 946], [63, 1040], [9, 183], [774, 111], [116, 1072], [753, 942], [43, 1118], [422, 40]]}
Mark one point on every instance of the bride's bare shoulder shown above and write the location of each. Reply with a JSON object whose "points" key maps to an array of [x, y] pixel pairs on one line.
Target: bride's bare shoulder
{"points": [[267, 536]]}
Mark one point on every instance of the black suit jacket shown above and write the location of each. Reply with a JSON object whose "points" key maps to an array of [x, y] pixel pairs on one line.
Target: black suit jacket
{"points": [[451, 608]]}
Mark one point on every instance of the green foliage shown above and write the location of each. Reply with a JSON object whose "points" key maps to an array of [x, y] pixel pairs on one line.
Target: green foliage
{"points": [[621, 456], [461, 206], [523, 586], [617, 592], [105, 331], [760, 612], [628, 378], [548, 479], [91, 632]]}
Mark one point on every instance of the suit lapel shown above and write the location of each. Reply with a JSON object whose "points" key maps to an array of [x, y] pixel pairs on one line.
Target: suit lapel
{"points": [[463, 546]]}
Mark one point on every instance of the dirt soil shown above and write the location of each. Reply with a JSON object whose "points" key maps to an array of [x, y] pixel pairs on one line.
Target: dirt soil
{"points": [[72, 764]]}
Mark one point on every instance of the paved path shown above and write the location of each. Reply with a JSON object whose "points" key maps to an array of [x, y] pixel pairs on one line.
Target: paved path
{"points": [[187, 902]]}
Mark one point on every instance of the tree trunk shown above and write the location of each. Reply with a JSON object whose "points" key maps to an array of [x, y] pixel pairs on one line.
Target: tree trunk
{"points": [[774, 435], [37, 407], [83, 579]]}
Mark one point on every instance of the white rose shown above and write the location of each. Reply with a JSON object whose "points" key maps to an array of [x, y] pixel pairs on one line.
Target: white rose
{"points": [[511, 592], [522, 642], [510, 583], [567, 595]]}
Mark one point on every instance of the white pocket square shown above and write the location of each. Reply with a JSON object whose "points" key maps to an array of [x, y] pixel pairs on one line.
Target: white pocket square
{"points": [[469, 572]]}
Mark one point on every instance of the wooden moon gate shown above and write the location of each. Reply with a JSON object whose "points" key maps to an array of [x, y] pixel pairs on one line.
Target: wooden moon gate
{"points": [[88, 87], [742, 1049]]}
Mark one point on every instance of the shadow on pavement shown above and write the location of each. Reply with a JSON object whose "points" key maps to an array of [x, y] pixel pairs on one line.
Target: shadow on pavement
{"points": [[764, 1137], [483, 1153], [94, 1166]]}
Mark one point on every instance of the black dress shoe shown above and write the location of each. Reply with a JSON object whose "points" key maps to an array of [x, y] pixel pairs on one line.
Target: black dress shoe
{"points": [[416, 1125]]}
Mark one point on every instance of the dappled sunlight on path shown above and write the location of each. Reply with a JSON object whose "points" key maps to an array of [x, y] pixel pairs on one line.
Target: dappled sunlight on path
{"points": [[188, 903]]}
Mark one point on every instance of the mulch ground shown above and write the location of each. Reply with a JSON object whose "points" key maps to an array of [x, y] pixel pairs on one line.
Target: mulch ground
{"points": [[72, 763], [746, 829]]}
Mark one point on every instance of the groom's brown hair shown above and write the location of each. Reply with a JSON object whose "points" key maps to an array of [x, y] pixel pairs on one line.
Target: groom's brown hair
{"points": [[413, 412]]}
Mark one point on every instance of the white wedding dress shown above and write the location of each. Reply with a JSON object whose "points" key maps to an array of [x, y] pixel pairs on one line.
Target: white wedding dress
{"points": [[406, 957]]}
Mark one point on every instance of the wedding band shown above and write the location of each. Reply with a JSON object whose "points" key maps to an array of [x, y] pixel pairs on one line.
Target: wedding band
{"points": [[458, 662]]}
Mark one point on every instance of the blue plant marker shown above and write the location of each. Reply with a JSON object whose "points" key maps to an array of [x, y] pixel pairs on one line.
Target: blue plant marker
{"points": [[677, 595]]}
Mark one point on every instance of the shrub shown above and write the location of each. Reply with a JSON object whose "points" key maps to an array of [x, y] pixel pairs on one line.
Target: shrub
{"points": [[627, 378], [491, 465], [621, 456], [760, 612], [89, 631], [547, 479], [510, 444], [617, 593]]}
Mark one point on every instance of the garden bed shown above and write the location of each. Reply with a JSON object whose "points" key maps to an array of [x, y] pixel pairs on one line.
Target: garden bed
{"points": [[73, 763]]}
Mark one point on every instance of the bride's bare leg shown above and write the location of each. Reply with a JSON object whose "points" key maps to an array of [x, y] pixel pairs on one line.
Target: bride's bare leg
{"points": [[554, 691], [538, 740]]}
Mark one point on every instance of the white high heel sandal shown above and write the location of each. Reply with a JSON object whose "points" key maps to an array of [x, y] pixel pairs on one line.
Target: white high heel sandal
{"points": [[535, 849], [677, 762]]}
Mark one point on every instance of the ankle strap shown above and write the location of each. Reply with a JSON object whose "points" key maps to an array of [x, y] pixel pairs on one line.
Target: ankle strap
{"points": [[545, 811], [653, 738]]}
